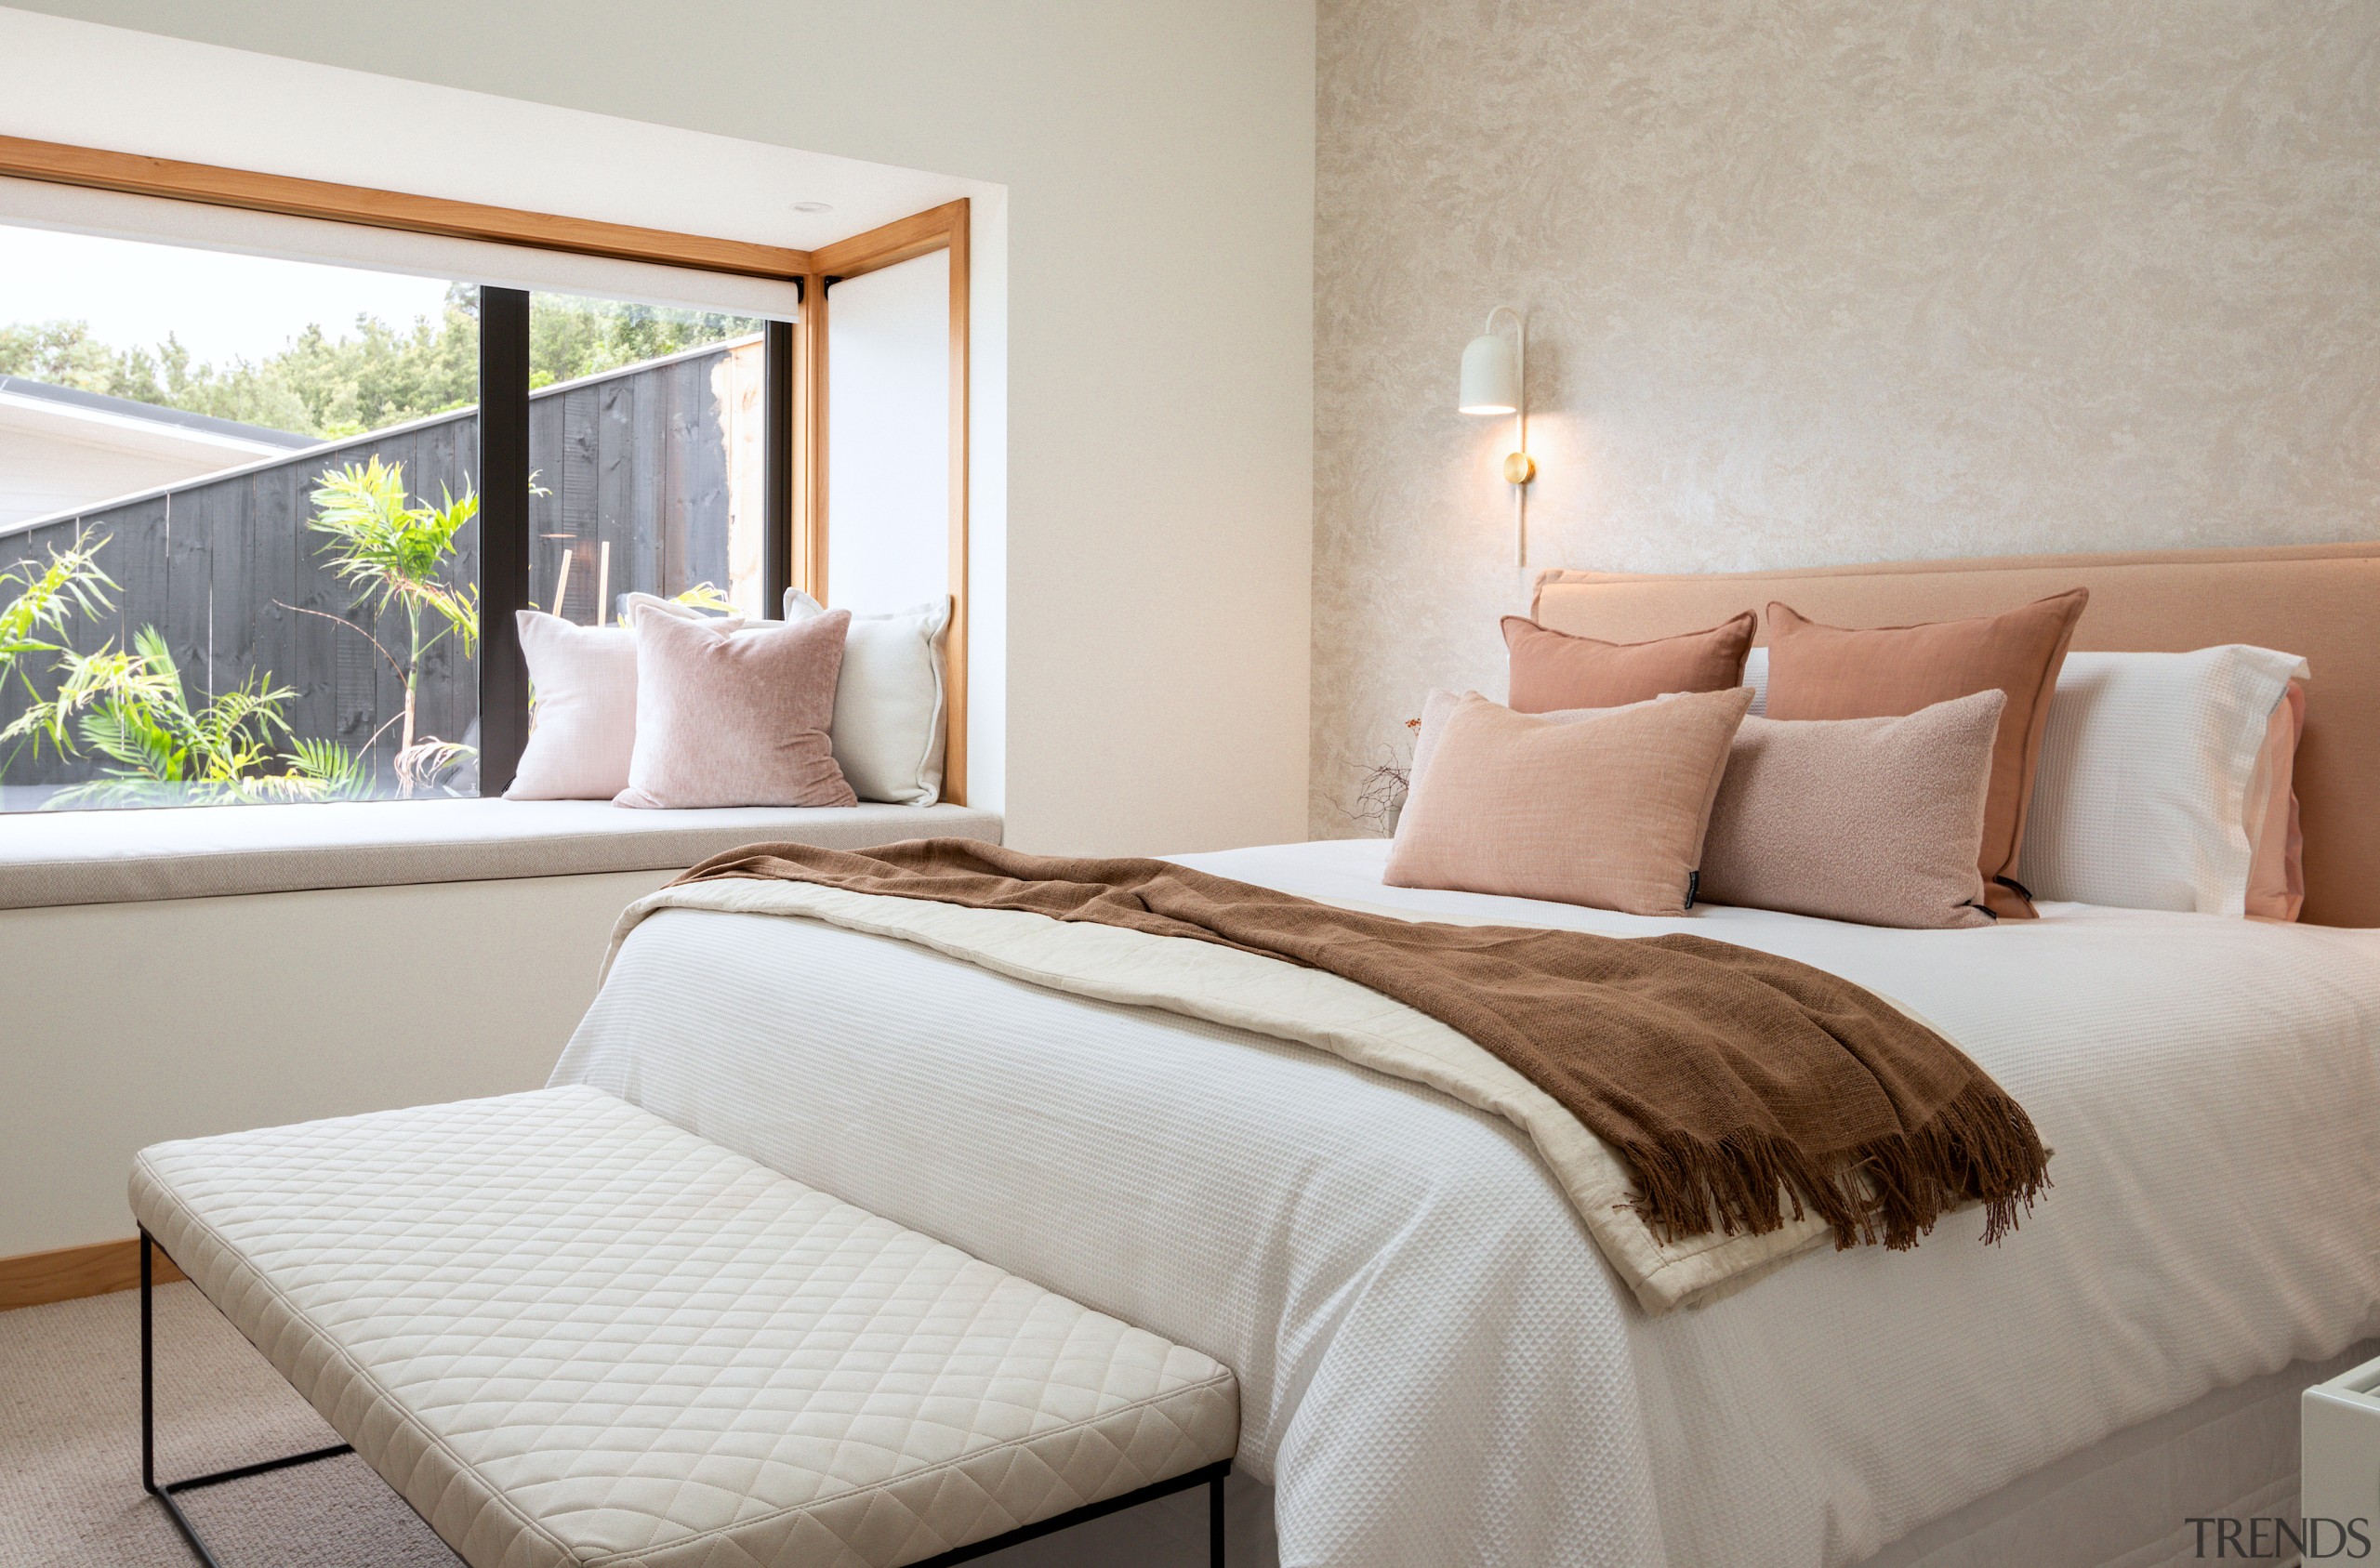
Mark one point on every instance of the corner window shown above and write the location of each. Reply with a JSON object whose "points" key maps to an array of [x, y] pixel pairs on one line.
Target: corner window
{"points": [[240, 530]]}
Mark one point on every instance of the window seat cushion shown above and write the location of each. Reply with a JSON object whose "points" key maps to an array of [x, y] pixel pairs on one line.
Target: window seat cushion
{"points": [[121, 857]]}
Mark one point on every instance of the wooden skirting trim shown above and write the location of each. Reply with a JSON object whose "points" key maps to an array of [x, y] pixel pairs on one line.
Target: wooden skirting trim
{"points": [[34, 1279]]}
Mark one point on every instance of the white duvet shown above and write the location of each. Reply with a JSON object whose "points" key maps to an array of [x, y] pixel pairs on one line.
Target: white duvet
{"points": [[1435, 1364]]}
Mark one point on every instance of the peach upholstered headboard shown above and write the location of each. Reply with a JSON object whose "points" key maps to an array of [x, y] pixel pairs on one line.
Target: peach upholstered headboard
{"points": [[2318, 600]]}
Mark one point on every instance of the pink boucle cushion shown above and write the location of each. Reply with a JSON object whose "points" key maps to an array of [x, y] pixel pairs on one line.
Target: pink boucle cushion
{"points": [[736, 720], [1878, 820]]}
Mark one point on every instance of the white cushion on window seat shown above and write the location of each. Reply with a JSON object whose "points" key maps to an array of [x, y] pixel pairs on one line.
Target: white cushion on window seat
{"points": [[205, 851]]}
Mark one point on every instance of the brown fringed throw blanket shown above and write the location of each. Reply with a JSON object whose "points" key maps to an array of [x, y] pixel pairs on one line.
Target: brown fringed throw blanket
{"points": [[1733, 1082]]}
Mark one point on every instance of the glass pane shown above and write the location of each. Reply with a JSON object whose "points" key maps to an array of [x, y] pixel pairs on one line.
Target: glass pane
{"points": [[888, 459], [647, 441], [237, 559]]}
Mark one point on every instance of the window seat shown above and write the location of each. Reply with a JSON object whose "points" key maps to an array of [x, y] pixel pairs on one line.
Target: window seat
{"points": [[121, 857]]}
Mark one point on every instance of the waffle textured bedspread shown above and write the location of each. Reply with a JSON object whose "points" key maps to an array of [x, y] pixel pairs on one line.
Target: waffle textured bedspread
{"points": [[1739, 1089]]}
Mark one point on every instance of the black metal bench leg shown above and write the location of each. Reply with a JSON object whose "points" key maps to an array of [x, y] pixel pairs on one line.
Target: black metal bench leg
{"points": [[148, 1374], [149, 1483], [1215, 1522]]}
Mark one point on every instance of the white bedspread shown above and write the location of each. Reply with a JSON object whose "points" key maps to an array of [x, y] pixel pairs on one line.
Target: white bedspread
{"points": [[1436, 1366]]}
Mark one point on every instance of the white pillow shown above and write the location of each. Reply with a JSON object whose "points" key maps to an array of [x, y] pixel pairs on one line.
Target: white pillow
{"points": [[888, 730], [582, 715], [2147, 783], [1756, 677]]}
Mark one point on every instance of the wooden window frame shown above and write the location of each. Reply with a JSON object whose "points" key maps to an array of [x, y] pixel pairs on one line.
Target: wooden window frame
{"points": [[946, 228], [60, 164], [795, 553]]}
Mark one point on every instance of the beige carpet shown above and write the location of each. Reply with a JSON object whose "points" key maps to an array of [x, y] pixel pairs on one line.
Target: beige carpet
{"points": [[70, 1461], [70, 1450]]}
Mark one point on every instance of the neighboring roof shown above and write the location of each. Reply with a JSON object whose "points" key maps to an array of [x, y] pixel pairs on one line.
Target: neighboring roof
{"points": [[9, 384], [127, 408]]}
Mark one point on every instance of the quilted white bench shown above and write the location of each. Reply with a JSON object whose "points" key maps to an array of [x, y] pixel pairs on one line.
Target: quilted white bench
{"points": [[567, 1332]]}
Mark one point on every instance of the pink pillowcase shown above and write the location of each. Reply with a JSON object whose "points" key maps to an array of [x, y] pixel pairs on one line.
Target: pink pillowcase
{"points": [[736, 720], [2276, 842]]}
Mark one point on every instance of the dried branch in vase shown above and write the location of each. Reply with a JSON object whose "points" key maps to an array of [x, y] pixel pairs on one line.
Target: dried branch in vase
{"points": [[1379, 794]]}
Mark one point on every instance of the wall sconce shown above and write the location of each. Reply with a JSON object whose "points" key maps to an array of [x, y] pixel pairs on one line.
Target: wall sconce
{"points": [[1495, 381]]}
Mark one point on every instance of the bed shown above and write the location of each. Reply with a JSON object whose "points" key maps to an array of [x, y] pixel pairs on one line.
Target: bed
{"points": [[1438, 1366]]}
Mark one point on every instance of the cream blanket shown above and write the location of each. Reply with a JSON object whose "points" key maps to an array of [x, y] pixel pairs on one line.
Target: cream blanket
{"points": [[1270, 996]]}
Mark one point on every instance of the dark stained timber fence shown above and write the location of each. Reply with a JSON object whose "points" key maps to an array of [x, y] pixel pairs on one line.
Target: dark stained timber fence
{"points": [[641, 460], [634, 470]]}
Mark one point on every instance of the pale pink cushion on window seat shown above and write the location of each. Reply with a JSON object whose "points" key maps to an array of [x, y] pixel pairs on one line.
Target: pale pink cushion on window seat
{"points": [[582, 719], [738, 720]]}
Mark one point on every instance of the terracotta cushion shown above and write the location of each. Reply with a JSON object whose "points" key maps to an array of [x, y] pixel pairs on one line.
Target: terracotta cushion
{"points": [[1818, 671], [1551, 670]]}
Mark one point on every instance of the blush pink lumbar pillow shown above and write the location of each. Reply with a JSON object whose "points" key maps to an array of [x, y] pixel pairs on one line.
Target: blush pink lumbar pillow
{"points": [[1602, 808], [738, 720], [1439, 705]]}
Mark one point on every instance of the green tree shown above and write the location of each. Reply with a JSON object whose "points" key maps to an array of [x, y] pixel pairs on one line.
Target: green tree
{"points": [[570, 338], [381, 376], [371, 377], [65, 354]]}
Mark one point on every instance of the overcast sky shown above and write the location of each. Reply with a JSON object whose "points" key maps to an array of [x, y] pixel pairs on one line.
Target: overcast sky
{"points": [[222, 306]]}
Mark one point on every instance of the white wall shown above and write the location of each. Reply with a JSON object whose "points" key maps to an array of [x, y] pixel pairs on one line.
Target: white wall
{"points": [[1141, 486], [887, 461], [125, 1023], [1141, 493]]}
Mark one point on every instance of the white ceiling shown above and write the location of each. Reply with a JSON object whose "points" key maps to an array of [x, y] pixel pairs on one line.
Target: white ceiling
{"points": [[136, 92]]}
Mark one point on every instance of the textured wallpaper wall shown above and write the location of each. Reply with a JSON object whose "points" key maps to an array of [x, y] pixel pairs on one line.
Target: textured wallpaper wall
{"points": [[1824, 282]]}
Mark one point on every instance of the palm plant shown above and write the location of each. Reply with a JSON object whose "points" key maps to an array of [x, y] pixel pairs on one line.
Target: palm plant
{"points": [[131, 708], [48, 595], [705, 595], [395, 553]]}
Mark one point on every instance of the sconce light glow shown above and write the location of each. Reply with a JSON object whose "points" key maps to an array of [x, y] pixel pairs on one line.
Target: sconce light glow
{"points": [[1495, 380]]}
